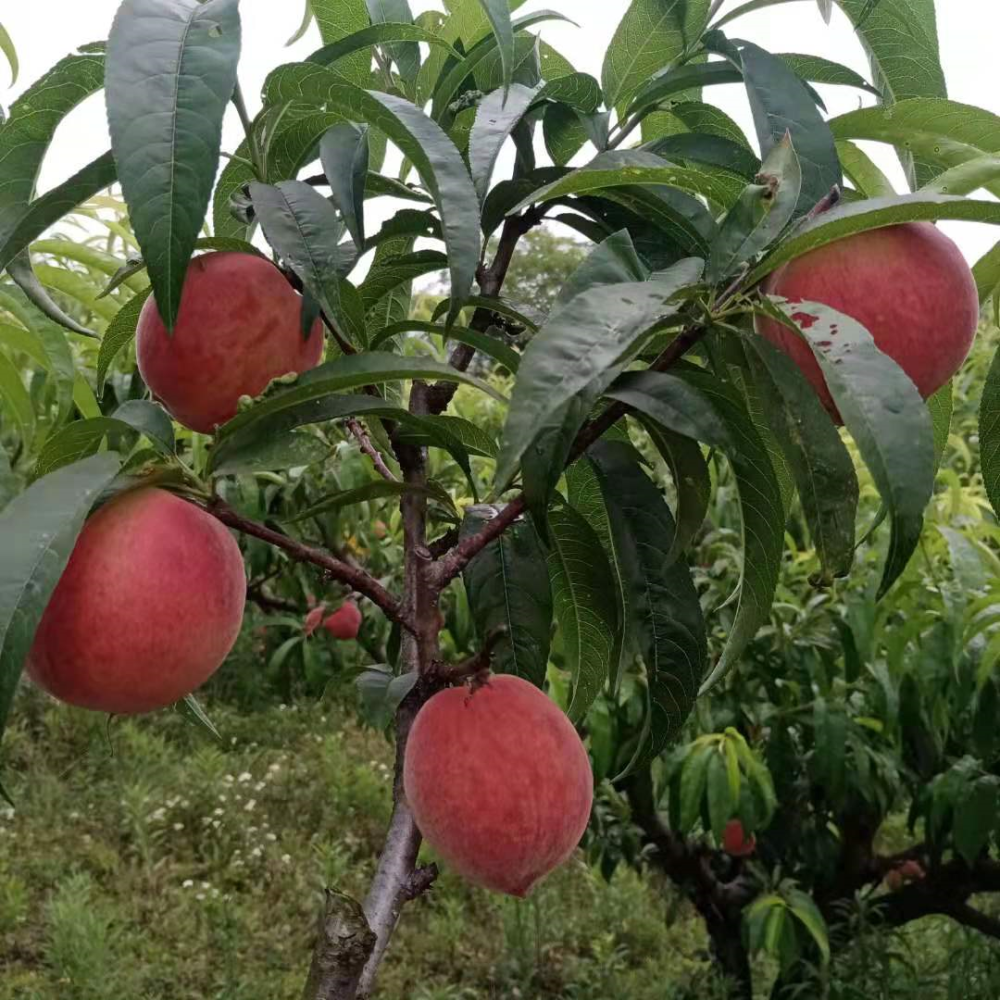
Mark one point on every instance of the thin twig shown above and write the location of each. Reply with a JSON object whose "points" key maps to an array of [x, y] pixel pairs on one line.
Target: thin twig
{"points": [[365, 444], [491, 281], [354, 577], [453, 673]]}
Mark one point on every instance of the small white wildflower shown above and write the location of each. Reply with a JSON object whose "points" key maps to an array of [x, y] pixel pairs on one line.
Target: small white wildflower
{"points": [[218, 812], [244, 777], [259, 787], [273, 769], [223, 798], [251, 829], [187, 883], [228, 779], [233, 741], [272, 837], [238, 864], [281, 708], [216, 824], [249, 807], [286, 859], [206, 885], [256, 852], [200, 896], [76, 815], [178, 827]]}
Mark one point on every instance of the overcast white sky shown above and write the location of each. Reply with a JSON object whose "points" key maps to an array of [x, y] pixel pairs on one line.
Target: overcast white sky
{"points": [[46, 30]]}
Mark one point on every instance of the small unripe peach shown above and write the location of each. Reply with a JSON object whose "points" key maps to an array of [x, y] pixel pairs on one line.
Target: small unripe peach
{"points": [[239, 327], [498, 782], [148, 607], [908, 285], [345, 622]]}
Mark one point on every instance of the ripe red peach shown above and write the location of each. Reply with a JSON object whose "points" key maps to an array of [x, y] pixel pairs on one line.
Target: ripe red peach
{"points": [[908, 285], [345, 622], [237, 329], [499, 783], [735, 842], [148, 607]]}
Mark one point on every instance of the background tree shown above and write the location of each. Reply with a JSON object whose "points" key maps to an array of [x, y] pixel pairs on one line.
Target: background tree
{"points": [[649, 350]]}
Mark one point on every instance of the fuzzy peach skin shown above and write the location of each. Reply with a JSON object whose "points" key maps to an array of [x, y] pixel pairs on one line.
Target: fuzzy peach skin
{"points": [[345, 622], [908, 285], [499, 783], [148, 607], [238, 327]]}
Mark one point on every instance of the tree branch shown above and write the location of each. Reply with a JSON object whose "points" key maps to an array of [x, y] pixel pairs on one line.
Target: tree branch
{"points": [[449, 566], [354, 577], [365, 444], [491, 281], [344, 944], [453, 673], [969, 916]]}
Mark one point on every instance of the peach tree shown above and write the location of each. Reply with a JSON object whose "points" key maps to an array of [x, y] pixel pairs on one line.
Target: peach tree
{"points": [[253, 350]]}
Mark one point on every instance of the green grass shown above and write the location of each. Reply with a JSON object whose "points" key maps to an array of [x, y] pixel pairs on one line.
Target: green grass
{"points": [[144, 860]]}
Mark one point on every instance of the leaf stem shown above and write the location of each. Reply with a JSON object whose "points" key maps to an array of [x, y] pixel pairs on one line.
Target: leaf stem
{"points": [[241, 110]]}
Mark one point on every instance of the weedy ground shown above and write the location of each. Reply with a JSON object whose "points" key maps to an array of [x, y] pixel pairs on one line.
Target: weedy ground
{"points": [[147, 861]]}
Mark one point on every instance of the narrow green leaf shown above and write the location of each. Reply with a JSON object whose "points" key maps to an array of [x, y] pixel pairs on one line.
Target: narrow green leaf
{"points": [[748, 8], [613, 261], [694, 775], [375, 490], [816, 69], [581, 580], [594, 332], [120, 332], [587, 498], [861, 171], [651, 35], [394, 35], [39, 529], [149, 419], [692, 483], [31, 123], [53, 205], [488, 345], [498, 12], [450, 84], [7, 48], [781, 104], [900, 38], [886, 416], [941, 406], [719, 794], [760, 215], [343, 152], [808, 914], [303, 228], [391, 272], [823, 470], [673, 404], [191, 708], [989, 434], [761, 511], [825, 9], [171, 72], [976, 815], [405, 54], [626, 168], [437, 160], [304, 26], [711, 150], [497, 115], [16, 399], [508, 588], [664, 613], [939, 132], [338, 20]]}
